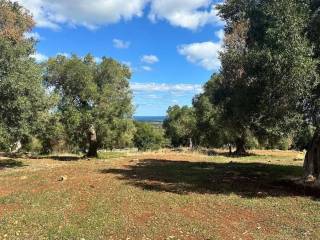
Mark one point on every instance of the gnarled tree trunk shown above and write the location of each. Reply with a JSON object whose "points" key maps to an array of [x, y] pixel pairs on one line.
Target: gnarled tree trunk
{"points": [[240, 147], [93, 143], [312, 159]]}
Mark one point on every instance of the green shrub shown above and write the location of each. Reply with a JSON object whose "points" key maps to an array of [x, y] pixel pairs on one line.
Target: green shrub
{"points": [[303, 137], [4, 139], [31, 144], [148, 137], [52, 136], [276, 142]]}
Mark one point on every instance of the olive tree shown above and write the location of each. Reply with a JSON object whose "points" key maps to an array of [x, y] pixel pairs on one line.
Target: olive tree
{"points": [[95, 101], [267, 67], [180, 126]]}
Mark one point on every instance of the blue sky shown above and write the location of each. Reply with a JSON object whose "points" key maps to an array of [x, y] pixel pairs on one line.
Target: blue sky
{"points": [[171, 45]]}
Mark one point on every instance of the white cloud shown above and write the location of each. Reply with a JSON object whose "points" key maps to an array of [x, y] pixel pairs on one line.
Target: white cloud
{"points": [[205, 54], [164, 87], [146, 68], [39, 57], [36, 36], [90, 14], [191, 14], [38, 8], [150, 59], [118, 43]]}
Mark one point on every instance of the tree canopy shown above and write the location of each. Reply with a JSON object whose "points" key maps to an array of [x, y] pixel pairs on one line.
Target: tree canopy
{"points": [[22, 95], [267, 70], [95, 101], [180, 126]]}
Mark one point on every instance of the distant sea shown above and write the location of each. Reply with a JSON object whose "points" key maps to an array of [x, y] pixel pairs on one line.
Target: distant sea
{"points": [[157, 119]]}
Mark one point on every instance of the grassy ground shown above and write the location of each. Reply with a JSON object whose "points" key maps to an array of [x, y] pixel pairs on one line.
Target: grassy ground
{"points": [[165, 195]]}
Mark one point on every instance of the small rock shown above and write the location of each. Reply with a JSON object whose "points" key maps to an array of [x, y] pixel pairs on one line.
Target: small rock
{"points": [[62, 178]]}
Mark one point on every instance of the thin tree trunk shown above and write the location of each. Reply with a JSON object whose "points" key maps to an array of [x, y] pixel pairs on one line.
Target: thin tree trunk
{"points": [[93, 144], [230, 149], [190, 143], [312, 159], [240, 147]]}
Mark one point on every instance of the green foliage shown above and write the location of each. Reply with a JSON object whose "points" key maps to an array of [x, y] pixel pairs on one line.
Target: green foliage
{"points": [[303, 137], [267, 68], [280, 58], [148, 137], [22, 95], [209, 125], [313, 28], [276, 142], [94, 96], [5, 139], [52, 134], [180, 125], [32, 144], [268, 80]]}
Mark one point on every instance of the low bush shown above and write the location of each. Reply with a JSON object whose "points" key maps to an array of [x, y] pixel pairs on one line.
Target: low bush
{"points": [[148, 137]]}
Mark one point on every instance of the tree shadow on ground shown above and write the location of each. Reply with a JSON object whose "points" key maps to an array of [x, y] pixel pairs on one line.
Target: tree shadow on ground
{"points": [[10, 163], [244, 179], [63, 158], [227, 154], [210, 152], [60, 158]]}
